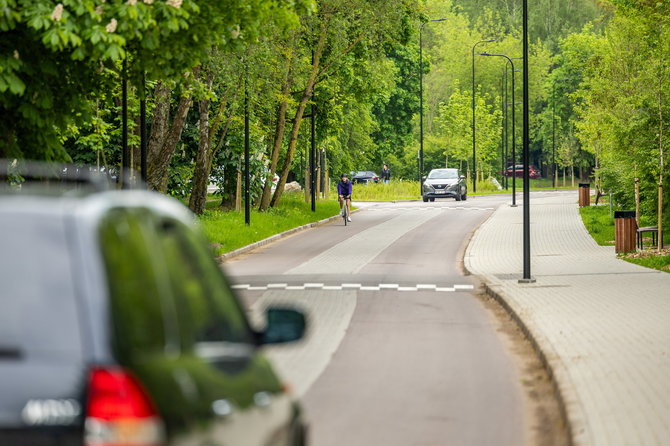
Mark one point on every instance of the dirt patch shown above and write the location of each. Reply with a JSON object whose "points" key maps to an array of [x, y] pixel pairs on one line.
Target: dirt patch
{"points": [[648, 253], [546, 420]]}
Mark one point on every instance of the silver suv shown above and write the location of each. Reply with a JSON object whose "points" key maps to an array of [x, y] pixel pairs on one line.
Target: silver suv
{"points": [[117, 326], [443, 183]]}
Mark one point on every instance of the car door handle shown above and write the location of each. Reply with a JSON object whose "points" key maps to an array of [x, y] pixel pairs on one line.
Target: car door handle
{"points": [[222, 408]]}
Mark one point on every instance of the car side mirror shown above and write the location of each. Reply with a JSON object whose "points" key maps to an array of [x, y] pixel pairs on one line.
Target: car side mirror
{"points": [[462, 177], [423, 178], [283, 325]]}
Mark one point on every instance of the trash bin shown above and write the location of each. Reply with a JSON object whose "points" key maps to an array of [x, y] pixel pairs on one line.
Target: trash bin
{"points": [[625, 231], [584, 194]]}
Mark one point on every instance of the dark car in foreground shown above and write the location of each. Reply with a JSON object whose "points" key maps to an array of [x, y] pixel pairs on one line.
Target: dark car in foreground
{"points": [[533, 172], [444, 183], [118, 327], [364, 177]]}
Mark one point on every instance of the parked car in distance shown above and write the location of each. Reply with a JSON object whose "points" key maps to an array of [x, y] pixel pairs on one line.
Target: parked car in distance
{"points": [[364, 176], [444, 183], [533, 172], [118, 327]]}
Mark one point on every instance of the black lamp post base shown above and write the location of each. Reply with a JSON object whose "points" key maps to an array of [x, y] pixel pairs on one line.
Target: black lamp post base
{"points": [[512, 205], [531, 280]]}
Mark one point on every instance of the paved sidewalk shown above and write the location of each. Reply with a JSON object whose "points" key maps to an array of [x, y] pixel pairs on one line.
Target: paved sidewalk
{"points": [[603, 324]]}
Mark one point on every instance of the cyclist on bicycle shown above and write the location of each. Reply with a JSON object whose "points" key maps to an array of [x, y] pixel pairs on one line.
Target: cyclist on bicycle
{"points": [[344, 189]]}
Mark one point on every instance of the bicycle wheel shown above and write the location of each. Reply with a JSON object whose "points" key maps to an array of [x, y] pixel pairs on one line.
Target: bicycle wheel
{"points": [[345, 214]]}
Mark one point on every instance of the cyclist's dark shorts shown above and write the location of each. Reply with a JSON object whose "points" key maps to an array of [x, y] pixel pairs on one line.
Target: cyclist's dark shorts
{"points": [[346, 197]]}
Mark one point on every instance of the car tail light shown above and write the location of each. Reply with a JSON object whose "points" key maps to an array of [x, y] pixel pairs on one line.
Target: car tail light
{"points": [[119, 412]]}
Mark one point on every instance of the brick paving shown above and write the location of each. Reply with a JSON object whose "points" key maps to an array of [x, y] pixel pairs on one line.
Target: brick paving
{"points": [[602, 323]]}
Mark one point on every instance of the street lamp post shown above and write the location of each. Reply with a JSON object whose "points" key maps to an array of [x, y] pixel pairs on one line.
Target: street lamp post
{"points": [[474, 150], [506, 179], [509, 60], [421, 101], [526, 155], [503, 110]]}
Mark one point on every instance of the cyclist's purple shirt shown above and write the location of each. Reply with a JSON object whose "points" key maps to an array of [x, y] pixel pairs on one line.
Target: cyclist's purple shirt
{"points": [[344, 188]]}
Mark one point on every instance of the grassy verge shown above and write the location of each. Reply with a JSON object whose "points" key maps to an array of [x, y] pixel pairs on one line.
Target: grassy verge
{"points": [[226, 229], [410, 190], [599, 224], [601, 227]]}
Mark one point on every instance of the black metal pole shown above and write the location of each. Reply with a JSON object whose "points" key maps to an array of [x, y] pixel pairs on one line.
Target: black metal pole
{"points": [[526, 155], [421, 109], [506, 131], [474, 154], [502, 129], [514, 135], [143, 130], [125, 155], [312, 159], [513, 126], [247, 205]]}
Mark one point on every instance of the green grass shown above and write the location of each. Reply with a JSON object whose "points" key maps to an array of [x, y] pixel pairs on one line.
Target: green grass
{"points": [[394, 190], [599, 224], [226, 229], [601, 227], [659, 262]]}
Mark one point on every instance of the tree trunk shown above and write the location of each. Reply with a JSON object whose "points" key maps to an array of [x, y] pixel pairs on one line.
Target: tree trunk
{"points": [[637, 199], [164, 137], [159, 126], [205, 158], [280, 130], [307, 94], [203, 161], [238, 191]]}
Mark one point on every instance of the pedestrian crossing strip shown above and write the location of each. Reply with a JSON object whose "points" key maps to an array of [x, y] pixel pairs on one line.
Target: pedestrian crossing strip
{"points": [[354, 286]]}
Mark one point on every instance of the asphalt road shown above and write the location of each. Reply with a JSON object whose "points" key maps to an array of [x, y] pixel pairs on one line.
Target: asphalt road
{"points": [[400, 351]]}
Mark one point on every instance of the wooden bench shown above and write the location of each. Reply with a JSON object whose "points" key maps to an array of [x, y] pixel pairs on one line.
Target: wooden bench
{"points": [[653, 230]]}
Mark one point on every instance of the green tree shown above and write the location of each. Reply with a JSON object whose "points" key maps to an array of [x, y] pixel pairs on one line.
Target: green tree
{"points": [[52, 53]]}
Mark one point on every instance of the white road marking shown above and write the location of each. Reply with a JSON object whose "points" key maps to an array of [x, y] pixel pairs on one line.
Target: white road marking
{"points": [[277, 285], [351, 285], [354, 286]]}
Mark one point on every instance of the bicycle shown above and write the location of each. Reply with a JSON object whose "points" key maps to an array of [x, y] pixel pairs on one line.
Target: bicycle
{"points": [[346, 202], [345, 214]]}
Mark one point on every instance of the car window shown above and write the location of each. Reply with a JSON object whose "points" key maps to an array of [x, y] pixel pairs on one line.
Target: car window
{"points": [[143, 317], [445, 174], [208, 310], [39, 309]]}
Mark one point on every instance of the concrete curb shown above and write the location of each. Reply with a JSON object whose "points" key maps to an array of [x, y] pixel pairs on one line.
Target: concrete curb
{"points": [[245, 249], [528, 334], [499, 297]]}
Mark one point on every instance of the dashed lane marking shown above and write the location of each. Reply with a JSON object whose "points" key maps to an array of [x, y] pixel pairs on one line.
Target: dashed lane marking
{"points": [[354, 286]]}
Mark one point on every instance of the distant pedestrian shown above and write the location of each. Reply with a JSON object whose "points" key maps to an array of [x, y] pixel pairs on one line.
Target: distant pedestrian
{"points": [[386, 174]]}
